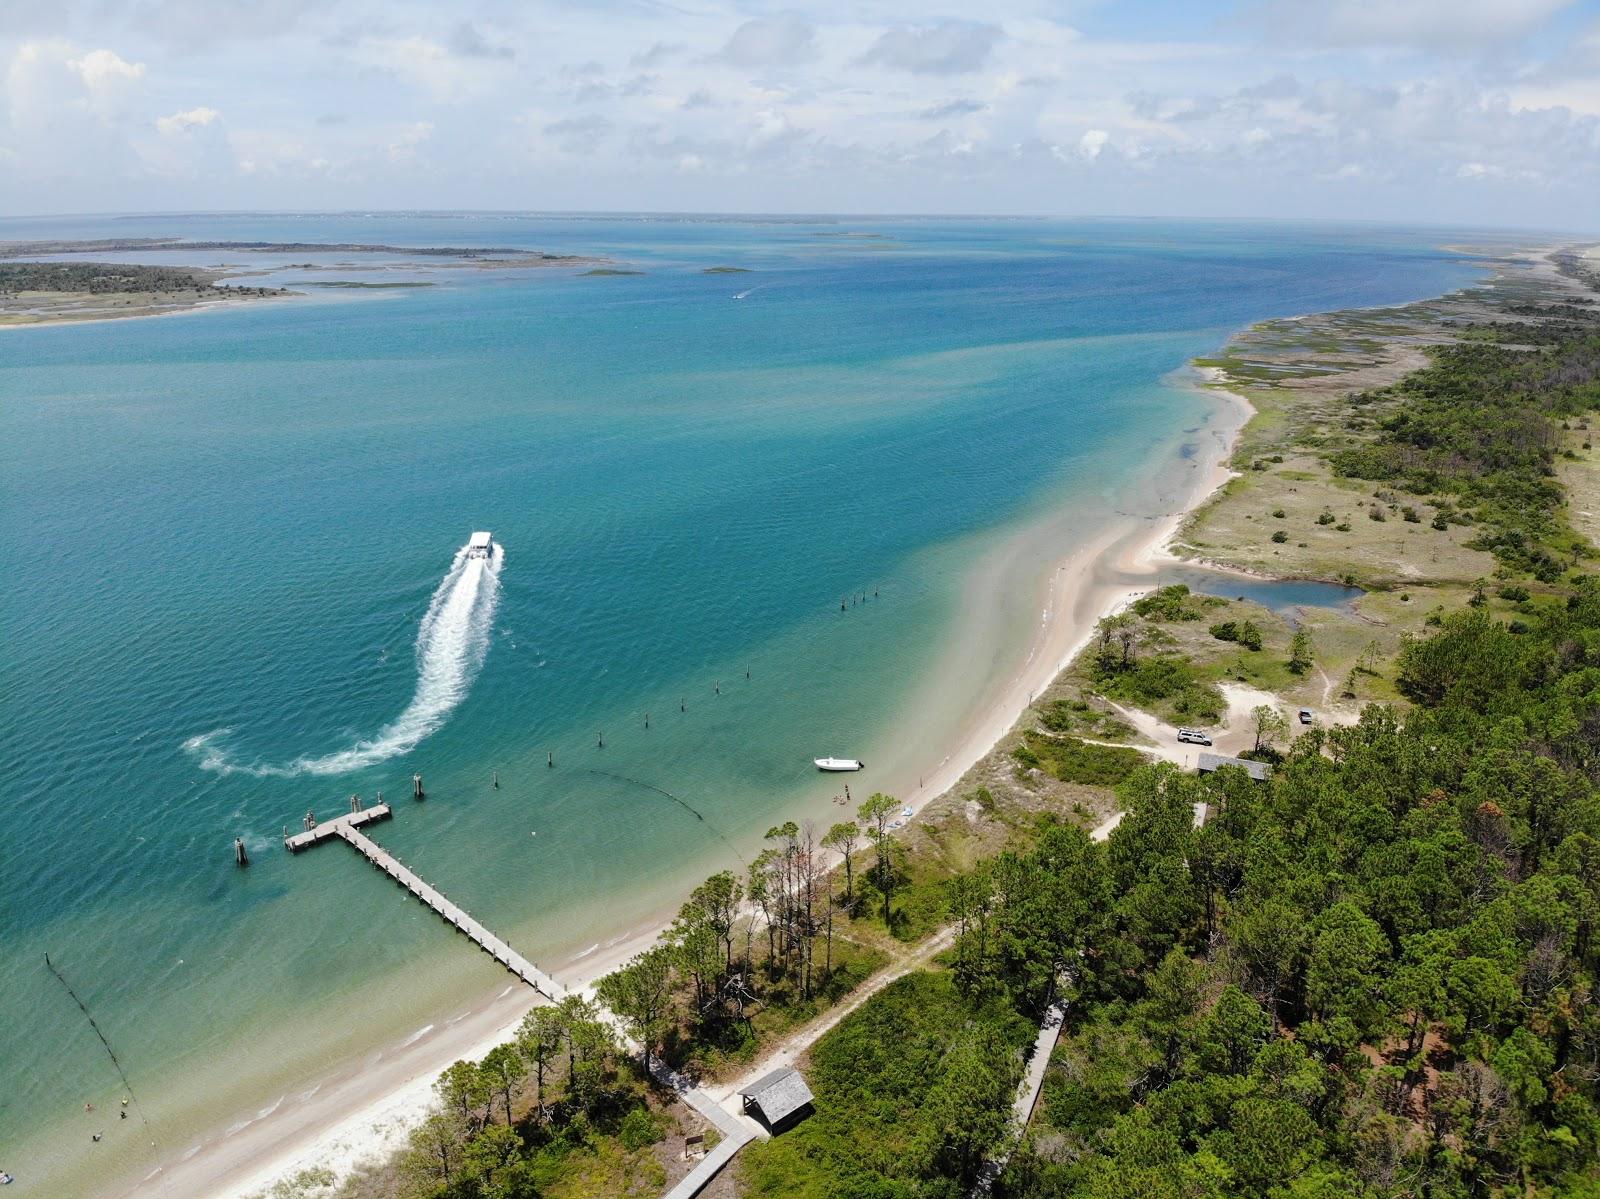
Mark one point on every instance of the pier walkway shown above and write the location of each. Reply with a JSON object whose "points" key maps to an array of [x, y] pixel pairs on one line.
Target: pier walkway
{"points": [[453, 915], [348, 829]]}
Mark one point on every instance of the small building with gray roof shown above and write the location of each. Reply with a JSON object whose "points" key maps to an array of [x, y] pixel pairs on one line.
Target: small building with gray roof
{"points": [[778, 1098], [1259, 771]]}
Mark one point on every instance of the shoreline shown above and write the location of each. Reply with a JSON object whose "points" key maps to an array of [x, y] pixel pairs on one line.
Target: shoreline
{"points": [[366, 1109]]}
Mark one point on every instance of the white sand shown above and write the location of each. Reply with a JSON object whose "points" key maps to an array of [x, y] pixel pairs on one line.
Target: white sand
{"points": [[365, 1112]]}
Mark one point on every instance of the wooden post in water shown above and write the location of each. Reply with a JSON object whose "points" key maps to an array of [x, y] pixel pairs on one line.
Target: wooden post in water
{"points": [[497, 780], [647, 720], [549, 757], [355, 803], [416, 787], [240, 857], [601, 739]]}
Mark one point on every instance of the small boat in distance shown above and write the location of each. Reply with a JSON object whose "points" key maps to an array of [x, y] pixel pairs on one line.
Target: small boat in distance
{"points": [[481, 545], [839, 765]]}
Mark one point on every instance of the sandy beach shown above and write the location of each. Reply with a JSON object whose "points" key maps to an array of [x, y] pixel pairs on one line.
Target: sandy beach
{"points": [[365, 1110]]}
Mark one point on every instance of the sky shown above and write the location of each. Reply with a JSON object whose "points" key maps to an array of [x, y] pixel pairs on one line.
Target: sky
{"points": [[1455, 112]]}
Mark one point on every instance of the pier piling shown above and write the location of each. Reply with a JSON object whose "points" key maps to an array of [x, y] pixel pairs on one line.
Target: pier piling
{"points": [[240, 857], [416, 787]]}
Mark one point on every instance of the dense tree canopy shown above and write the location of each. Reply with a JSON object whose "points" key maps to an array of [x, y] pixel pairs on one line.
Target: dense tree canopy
{"points": [[1372, 975]]}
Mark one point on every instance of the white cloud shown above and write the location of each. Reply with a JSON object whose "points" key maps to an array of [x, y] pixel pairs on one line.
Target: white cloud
{"points": [[783, 40], [948, 48], [67, 111], [729, 104], [442, 72], [403, 146], [108, 77], [180, 123]]}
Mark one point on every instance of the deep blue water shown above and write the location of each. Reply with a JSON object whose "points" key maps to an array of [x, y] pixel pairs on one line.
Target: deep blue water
{"points": [[223, 530]]}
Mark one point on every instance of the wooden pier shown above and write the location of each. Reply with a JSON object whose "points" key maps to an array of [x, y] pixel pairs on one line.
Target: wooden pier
{"points": [[348, 829], [316, 834]]}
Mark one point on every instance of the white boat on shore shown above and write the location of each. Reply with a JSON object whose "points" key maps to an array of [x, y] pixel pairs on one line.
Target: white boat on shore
{"points": [[839, 765]]}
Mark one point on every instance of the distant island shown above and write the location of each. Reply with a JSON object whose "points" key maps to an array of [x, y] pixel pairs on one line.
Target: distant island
{"points": [[369, 286], [726, 270], [125, 245], [35, 293], [39, 293], [610, 270]]}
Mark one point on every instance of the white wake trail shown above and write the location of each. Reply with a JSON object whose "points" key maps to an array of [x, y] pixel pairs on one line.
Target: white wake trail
{"points": [[451, 644]]}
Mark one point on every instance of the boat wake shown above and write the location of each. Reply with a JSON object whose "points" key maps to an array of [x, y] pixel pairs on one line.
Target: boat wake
{"points": [[451, 644]]}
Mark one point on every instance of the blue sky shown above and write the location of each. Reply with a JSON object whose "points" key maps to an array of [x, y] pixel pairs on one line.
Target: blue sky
{"points": [[1481, 112]]}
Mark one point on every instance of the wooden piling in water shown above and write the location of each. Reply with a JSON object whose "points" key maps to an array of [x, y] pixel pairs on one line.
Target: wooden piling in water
{"points": [[416, 787], [240, 857]]}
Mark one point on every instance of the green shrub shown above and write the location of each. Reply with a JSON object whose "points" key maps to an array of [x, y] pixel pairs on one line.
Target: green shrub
{"points": [[1074, 761], [1280, 537], [1173, 603], [641, 1127]]}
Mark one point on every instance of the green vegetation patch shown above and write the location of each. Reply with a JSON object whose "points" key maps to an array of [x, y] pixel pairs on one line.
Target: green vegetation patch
{"points": [[1175, 603], [1078, 716], [912, 1090], [1159, 682], [1478, 425], [1373, 967], [1075, 761]]}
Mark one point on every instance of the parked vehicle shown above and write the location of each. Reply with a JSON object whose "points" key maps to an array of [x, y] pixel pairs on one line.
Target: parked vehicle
{"points": [[1194, 736], [1306, 717]]}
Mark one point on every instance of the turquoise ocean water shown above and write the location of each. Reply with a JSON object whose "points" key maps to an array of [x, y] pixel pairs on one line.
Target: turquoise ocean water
{"points": [[223, 533]]}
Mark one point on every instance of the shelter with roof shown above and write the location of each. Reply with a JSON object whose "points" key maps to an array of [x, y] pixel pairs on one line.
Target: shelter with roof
{"points": [[1256, 770], [778, 1098]]}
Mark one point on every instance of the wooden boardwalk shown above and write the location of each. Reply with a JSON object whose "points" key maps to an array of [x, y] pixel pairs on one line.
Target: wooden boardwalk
{"points": [[453, 915]]}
